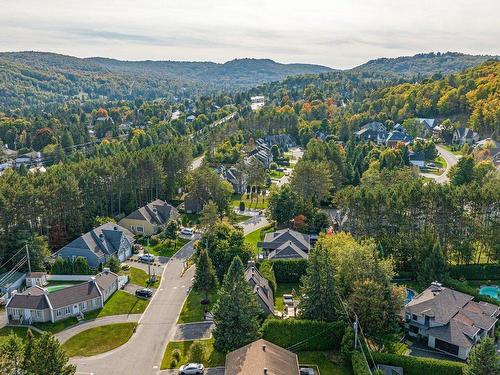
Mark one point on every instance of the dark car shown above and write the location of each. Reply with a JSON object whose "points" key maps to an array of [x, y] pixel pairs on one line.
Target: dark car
{"points": [[144, 293]]}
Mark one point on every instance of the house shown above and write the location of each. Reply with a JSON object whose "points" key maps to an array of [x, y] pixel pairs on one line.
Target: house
{"points": [[462, 136], [150, 219], [448, 320], [429, 124], [417, 159], [261, 357], [260, 287], [395, 137], [257, 102], [262, 153], [11, 281], [373, 131], [101, 243], [285, 243], [236, 179], [283, 141], [29, 159], [7, 151], [190, 118], [36, 278], [192, 205], [37, 304]]}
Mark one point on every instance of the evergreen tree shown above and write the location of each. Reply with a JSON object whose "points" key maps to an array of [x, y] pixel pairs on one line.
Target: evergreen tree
{"points": [[28, 364], [205, 279], [67, 140], [236, 311], [50, 358], [11, 355], [113, 264], [434, 266], [319, 300], [483, 359]]}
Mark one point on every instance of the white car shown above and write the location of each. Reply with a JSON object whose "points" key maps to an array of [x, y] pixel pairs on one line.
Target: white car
{"points": [[187, 231], [147, 258], [191, 369]]}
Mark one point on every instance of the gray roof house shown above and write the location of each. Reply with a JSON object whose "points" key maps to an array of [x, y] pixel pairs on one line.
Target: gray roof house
{"points": [[260, 287], [462, 136], [101, 243], [285, 243], [372, 131], [396, 137], [150, 219], [284, 141], [236, 179], [450, 321], [262, 153], [37, 304]]}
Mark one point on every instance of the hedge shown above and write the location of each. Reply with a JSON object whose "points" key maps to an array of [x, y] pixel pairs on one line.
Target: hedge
{"points": [[419, 365], [266, 270], [315, 335], [359, 364], [464, 287], [476, 271], [289, 270]]}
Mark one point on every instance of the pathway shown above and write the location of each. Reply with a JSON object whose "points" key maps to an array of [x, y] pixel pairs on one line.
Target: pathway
{"points": [[143, 353], [65, 335], [450, 158]]}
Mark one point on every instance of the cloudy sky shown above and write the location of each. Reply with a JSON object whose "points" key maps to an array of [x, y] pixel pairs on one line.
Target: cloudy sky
{"points": [[337, 33]]}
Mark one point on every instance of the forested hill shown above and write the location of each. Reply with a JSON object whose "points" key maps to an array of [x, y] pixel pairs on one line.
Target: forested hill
{"points": [[423, 64], [37, 78]]}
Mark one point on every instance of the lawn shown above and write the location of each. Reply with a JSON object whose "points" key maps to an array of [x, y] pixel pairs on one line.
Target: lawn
{"points": [[18, 331], [261, 204], [193, 310], [189, 220], [165, 250], [256, 236], [214, 358], [440, 162], [140, 277], [452, 150], [276, 175], [326, 366], [237, 218], [283, 288], [99, 339], [57, 326]]}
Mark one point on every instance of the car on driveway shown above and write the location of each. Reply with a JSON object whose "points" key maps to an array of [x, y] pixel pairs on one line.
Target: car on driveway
{"points": [[187, 231], [192, 369], [306, 371], [147, 258], [144, 293]]}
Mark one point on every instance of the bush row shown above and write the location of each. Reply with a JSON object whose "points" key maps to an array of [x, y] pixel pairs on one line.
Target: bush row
{"points": [[476, 271], [419, 365], [289, 270], [314, 335], [266, 270], [359, 364], [464, 287]]}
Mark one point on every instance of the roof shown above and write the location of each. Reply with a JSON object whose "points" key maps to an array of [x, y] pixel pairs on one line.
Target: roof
{"points": [[6, 279], [74, 294], [417, 155], [397, 136], [103, 240], [260, 286], [233, 175], [253, 358], [465, 133], [429, 122], [288, 250], [32, 298], [156, 212], [376, 126], [35, 274], [105, 279], [273, 240]]}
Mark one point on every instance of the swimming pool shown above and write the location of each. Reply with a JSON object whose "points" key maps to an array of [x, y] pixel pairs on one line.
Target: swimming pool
{"points": [[492, 291], [54, 288], [410, 294]]}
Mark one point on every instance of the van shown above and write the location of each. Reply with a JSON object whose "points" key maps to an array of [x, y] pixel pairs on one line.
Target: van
{"points": [[187, 231]]}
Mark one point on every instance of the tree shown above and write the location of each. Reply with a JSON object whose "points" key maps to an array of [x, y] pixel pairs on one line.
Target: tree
{"points": [[113, 264], [236, 311], [209, 216], [50, 358], [318, 288], [275, 151], [311, 180], [67, 140], [80, 266], [11, 355], [434, 266], [462, 173], [28, 364], [171, 230], [39, 251], [205, 279], [206, 185], [282, 205], [483, 359], [100, 220]]}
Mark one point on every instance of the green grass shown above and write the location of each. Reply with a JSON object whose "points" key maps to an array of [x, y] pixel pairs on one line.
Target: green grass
{"points": [[276, 175], [18, 331], [189, 220], [120, 303], [261, 204], [214, 358], [165, 250], [440, 162], [452, 150], [283, 288], [237, 218], [256, 236], [193, 310], [57, 326], [324, 361], [140, 277], [99, 339]]}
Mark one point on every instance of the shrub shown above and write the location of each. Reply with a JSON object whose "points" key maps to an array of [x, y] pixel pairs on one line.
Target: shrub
{"points": [[419, 365], [347, 344], [475, 271], [315, 335], [154, 240], [359, 366], [242, 206], [176, 354], [173, 363], [197, 353], [266, 270], [125, 267], [289, 270]]}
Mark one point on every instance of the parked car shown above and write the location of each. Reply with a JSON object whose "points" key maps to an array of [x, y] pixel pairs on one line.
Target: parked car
{"points": [[187, 231], [306, 371], [431, 165], [288, 299], [192, 369], [287, 173], [147, 258], [144, 293]]}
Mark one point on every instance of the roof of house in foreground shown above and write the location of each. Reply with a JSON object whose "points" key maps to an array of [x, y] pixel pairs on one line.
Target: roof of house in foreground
{"points": [[253, 358]]}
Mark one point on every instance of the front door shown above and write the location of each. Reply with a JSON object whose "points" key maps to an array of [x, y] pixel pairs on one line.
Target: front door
{"points": [[75, 309], [27, 314]]}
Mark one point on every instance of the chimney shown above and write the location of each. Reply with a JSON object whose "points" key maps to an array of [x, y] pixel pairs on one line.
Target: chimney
{"points": [[265, 371], [105, 270]]}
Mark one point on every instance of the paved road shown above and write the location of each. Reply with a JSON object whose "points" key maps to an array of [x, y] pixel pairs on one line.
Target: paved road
{"points": [[450, 158], [65, 335], [256, 222], [144, 352], [194, 331]]}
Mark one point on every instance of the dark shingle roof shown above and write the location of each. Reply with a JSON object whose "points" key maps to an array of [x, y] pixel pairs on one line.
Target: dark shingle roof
{"points": [[74, 294], [275, 239], [260, 286], [157, 212], [32, 298]]}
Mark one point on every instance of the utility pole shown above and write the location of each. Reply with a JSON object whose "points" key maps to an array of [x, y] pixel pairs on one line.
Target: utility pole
{"points": [[28, 256], [356, 333]]}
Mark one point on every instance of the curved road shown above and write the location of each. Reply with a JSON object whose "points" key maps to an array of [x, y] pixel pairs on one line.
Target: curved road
{"points": [[144, 352], [450, 158]]}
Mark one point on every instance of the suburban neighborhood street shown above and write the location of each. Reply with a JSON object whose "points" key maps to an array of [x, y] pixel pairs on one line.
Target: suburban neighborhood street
{"points": [[144, 352], [450, 158]]}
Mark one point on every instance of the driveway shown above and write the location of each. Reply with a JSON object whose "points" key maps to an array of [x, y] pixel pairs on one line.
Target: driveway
{"points": [[450, 158], [256, 222], [210, 371], [144, 351], [194, 331]]}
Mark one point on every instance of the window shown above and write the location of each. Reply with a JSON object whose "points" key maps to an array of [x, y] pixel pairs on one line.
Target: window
{"points": [[140, 229], [67, 310], [83, 306], [59, 312], [414, 329], [414, 317]]}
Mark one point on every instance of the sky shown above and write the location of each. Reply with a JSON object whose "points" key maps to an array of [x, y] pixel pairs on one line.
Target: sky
{"points": [[336, 33]]}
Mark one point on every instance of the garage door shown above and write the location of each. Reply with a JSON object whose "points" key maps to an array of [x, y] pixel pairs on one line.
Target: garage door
{"points": [[446, 347]]}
